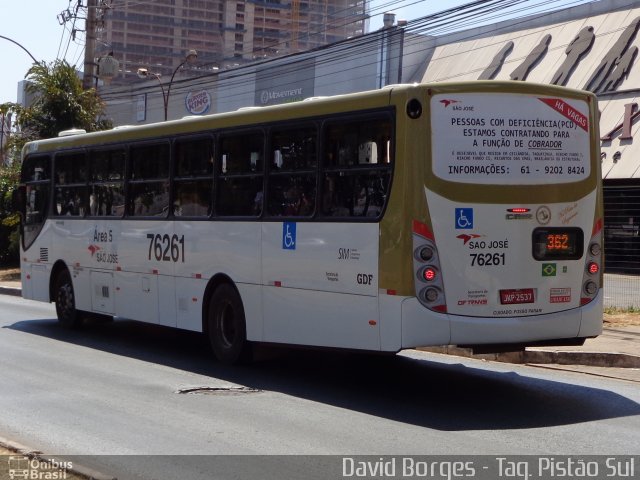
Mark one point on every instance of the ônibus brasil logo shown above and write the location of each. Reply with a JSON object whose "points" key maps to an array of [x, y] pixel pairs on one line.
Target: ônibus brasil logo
{"points": [[21, 466]]}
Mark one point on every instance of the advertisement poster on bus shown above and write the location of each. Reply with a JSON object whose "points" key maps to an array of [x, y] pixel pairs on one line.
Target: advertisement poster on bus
{"points": [[509, 139]]}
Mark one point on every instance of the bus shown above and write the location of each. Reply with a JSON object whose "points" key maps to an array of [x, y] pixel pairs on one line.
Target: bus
{"points": [[458, 213]]}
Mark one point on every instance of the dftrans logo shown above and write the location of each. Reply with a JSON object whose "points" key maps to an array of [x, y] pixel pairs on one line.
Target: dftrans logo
{"points": [[464, 218]]}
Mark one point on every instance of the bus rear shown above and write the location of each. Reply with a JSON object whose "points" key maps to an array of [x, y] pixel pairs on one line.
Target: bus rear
{"points": [[507, 239]]}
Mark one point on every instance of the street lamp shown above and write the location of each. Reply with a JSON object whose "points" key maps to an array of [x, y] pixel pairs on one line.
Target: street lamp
{"points": [[23, 48], [190, 58]]}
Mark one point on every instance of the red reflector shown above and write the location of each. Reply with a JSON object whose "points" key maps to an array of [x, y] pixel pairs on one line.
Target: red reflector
{"points": [[194, 299], [277, 284], [429, 274], [197, 275], [422, 230], [518, 210], [584, 301], [440, 308], [597, 227], [372, 322], [593, 268], [391, 292], [28, 277], [118, 269], [154, 271]]}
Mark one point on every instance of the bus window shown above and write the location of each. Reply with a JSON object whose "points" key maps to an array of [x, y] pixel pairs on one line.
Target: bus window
{"points": [[241, 154], [194, 158], [192, 198], [70, 178], [149, 162], [149, 181], [293, 172], [36, 174], [357, 168], [106, 182], [239, 187], [193, 177], [239, 196]]}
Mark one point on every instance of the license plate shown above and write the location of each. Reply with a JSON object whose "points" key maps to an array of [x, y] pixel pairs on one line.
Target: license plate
{"points": [[516, 295]]}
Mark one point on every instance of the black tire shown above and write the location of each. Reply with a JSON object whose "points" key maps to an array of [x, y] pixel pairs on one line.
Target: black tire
{"points": [[68, 315], [227, 328]]}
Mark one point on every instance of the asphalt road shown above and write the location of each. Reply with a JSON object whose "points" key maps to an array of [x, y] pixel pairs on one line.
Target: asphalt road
{"points": [[112, 389]]}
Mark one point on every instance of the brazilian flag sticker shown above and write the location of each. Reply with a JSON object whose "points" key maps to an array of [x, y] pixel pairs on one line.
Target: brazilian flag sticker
{"points": [[549, 269]]}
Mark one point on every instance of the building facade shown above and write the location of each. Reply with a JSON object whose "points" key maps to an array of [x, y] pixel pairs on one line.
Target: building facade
{"points": [[156, 35], [362, 63]]}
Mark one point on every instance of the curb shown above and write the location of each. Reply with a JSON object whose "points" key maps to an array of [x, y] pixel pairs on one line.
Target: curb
{"points": [[14, 291], [77, 469], [590, 359]]}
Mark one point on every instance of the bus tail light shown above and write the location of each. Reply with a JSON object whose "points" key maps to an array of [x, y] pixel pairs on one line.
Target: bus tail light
{"points": [[426, 266], [592, 277], [428, 274]]}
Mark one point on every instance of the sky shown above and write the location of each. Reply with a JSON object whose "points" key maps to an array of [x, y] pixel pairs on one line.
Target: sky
{"points": [[35, 26]]}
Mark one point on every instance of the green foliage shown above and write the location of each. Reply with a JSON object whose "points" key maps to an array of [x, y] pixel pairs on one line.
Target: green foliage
{"points": [[60, 103], [618, 310], [9, 220]]}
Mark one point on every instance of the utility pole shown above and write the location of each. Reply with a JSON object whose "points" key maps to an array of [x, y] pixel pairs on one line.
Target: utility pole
{"points": [[90, 45]]}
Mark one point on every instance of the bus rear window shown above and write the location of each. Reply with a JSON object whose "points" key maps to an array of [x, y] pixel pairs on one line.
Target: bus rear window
{"points": [[357, 168]]}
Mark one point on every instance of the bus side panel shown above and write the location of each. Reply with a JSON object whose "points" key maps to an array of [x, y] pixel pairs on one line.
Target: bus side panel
{"points": [[189, 298], [326, 319], [252, 303], [390, 307], [39, 273], [321, 283], [228, 248], [496, 330], [137, 296], [69, 239], [591, 322], [421, 327], [25, 279], [36, 267], [167, 314]]}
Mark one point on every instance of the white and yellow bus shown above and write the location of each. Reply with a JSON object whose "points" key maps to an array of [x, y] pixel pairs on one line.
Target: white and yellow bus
{"points": [[415, 215]]}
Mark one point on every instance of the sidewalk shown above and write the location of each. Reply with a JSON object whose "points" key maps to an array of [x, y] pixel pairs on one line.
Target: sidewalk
{"points": [[615, 353], [11, 288]]}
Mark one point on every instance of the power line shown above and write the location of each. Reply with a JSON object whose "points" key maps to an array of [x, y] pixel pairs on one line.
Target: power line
{"points": [[472, 13]]}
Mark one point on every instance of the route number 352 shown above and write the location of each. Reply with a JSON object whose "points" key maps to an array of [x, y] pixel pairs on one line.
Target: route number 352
{"points": [[166, 248]]}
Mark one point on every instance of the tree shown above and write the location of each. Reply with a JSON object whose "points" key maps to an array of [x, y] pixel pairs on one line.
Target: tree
{"points": [[59, 104]]}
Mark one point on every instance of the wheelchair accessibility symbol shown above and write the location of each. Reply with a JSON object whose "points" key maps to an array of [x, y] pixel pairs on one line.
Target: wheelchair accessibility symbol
{"points": [[464, 218], [289, 235]]}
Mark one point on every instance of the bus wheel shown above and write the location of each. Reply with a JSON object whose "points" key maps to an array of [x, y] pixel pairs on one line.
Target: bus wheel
{"points": [[68, 316], [226, 326]]}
